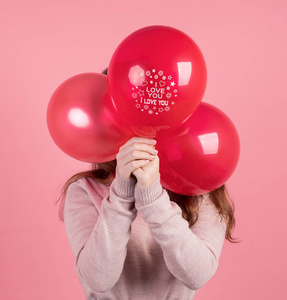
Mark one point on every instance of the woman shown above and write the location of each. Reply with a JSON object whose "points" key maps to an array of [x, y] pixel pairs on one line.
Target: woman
{"points": [[132, 239]]}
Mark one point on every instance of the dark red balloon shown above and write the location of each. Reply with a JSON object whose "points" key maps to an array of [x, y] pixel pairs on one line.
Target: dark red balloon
{"points": [[201, 155], [82, 120], [156, 78]]}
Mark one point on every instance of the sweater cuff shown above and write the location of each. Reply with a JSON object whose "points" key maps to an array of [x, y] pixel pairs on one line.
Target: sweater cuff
{"points": [[144, 196], [124, 188]]}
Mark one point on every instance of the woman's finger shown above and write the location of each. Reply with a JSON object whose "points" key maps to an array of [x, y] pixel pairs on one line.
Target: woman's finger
{"points": [[136, 164], [138, 155], [135, 148], [139, 140]]}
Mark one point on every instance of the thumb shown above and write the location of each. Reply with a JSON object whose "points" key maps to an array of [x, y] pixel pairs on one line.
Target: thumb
{"points": [[138, 172]]}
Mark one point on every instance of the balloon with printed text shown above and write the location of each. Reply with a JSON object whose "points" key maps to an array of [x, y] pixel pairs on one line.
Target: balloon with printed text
{"points": [[201, 155], [82, 121], [156, 79]]}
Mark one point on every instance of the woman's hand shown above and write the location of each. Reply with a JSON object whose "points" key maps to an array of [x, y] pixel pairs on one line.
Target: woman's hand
{"points": [[147, 174], [135, 154]]}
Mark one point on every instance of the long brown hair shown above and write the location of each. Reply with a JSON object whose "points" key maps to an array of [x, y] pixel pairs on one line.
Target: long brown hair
{"points": [[105, 173]]}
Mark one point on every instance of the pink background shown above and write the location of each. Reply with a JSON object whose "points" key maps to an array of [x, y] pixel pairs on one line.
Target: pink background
{"points": [[45, 42]]}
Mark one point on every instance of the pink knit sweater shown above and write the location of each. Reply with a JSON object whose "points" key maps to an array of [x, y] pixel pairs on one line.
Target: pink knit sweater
{"points": [[132, 243]]}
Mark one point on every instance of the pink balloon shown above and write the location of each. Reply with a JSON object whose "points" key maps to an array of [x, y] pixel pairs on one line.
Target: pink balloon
{"points": [[82, 121], [156, 78], [201, 155]]}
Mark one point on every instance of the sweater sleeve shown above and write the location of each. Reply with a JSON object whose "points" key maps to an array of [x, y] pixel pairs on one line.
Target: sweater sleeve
{"points": [[98, 235], [191, 254]]}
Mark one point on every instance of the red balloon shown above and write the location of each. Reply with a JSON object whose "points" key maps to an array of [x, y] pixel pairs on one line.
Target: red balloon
{"points": [[200, 156], [156, 78], [82, 121]]}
